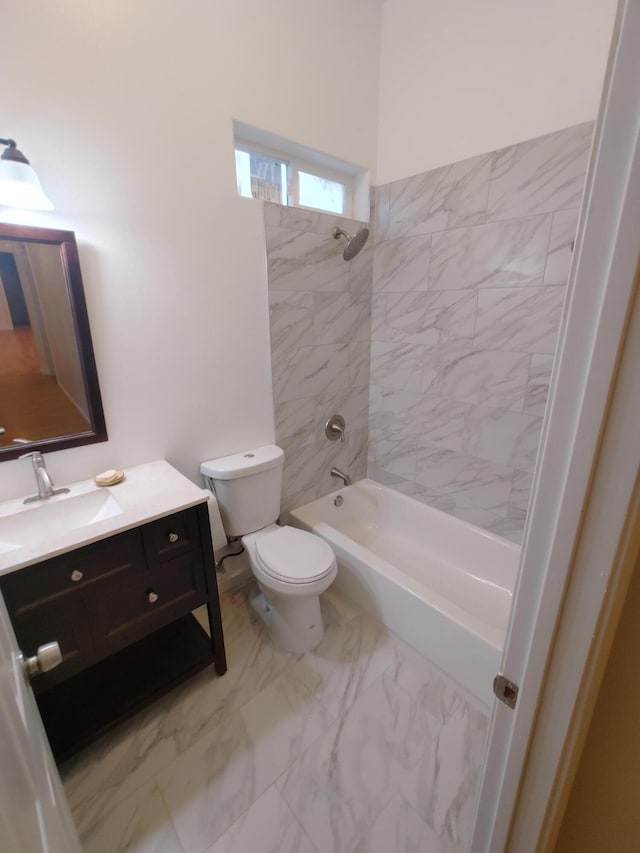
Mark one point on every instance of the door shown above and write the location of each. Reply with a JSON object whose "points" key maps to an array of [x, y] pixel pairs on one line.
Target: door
{"points": [[13, 291], [601, 289], [34, 815]]}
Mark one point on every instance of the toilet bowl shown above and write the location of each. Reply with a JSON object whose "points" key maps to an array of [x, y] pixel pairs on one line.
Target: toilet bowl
{"points": [[292, 567]]}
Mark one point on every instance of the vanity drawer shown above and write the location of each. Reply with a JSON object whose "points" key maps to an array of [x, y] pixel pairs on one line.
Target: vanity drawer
{"points": [[126, 609], [171, 536], [72, 572]]}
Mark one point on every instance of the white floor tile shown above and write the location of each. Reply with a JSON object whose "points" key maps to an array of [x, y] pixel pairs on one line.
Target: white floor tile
{"points": [[339, 786], [348, 660], [282, 721], [443, 783], [141, 823], [267, 827], [213, 783], [398, 829], [361, 746]]}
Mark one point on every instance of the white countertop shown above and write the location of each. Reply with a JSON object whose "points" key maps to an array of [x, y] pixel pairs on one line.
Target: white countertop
{"points": [[147, 492]]}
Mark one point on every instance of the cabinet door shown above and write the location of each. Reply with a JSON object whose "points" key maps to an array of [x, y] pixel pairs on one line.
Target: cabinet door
{"points": [[54, 598], [125, 609], [65, 619]]}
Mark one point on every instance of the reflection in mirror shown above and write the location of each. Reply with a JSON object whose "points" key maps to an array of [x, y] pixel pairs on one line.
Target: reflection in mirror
{"points": [[49, 394]]}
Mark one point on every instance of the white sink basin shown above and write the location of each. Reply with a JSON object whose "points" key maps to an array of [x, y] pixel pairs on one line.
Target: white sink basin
{"points": [[41, 522]]}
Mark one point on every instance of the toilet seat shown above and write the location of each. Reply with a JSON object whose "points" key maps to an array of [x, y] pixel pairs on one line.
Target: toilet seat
{"points": [[293, 556]]}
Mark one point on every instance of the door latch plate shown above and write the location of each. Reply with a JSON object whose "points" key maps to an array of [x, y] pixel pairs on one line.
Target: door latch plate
{"points": [[506, 690]]}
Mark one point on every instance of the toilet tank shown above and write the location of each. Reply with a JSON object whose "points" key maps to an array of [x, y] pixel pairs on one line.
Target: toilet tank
{"points": [[247, 487]]}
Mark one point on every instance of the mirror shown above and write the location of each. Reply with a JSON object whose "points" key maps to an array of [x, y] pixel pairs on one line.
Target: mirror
{"points": [[49, 394]]}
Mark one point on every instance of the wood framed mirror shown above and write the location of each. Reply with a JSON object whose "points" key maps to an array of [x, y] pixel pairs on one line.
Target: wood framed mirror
{"points": [[49, 392]]}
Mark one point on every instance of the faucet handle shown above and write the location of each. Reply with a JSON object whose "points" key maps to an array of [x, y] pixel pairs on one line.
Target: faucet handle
{"points": [[334, 428]]}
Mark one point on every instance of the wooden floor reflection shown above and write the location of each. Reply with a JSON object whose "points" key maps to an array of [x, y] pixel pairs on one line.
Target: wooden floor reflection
{"points": [[32, 405]]}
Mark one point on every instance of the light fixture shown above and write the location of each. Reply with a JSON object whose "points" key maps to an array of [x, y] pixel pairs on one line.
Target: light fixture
{"points": [[19, 184]]}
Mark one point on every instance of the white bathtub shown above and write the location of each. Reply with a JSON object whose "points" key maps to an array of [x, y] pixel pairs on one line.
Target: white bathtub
{"points": [[441, 584]]}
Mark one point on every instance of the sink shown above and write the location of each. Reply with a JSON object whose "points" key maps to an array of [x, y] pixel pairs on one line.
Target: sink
{"points": [[45, 521]]}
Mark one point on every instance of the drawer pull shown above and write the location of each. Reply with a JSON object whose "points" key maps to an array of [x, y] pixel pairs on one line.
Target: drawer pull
{"points": [[152, 596], [173, 537], [76, 575]]}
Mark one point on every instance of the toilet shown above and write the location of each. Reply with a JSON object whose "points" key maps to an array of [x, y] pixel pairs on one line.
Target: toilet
{"points": [[292, 567]]}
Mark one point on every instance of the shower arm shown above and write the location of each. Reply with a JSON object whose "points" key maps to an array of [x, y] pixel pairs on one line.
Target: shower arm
{"points": [[338, 232]]}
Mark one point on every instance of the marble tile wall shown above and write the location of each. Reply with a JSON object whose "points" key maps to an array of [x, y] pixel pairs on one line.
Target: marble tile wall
{"points": [[320, 318], [469, 276]]}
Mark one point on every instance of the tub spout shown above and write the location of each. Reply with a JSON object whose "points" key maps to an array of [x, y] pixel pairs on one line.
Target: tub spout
{"points": [[336, 472]]}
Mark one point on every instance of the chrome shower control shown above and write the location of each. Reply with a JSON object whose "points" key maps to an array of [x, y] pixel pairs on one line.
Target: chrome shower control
{"points": [[152, 597], [173, 537], [334, 428], [76, 575]]}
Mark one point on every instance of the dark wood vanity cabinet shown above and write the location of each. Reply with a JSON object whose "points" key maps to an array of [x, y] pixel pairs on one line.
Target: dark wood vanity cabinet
{"points": [[120, 609]]}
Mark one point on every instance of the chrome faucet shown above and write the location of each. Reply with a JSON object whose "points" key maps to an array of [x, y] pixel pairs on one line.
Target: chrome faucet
{"points": [[336, 472], [43, 478]]}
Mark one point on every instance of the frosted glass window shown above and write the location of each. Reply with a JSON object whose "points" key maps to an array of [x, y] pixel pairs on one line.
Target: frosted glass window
{"points": [[321, 193], [261, 177], [282, 176], [243, 173]]}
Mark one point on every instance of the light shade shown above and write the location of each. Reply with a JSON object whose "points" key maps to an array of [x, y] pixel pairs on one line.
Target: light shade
{"points": [[20, 187]]}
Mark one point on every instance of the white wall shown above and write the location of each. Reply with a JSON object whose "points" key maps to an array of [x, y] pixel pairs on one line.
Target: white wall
{"points": [[461, 77], [125, 109]]}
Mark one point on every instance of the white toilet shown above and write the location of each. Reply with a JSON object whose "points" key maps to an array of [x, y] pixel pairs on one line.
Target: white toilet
{"points": [[292, 567]]}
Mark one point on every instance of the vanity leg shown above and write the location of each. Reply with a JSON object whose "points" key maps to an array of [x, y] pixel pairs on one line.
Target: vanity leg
{"points": [[217, 641], [213, 599]]}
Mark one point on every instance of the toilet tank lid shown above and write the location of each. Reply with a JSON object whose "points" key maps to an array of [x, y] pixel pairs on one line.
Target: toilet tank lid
{"points": [[243, 464]]}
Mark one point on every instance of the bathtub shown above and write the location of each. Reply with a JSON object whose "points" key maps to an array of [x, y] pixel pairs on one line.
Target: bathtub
{"points": [[441, 584]]}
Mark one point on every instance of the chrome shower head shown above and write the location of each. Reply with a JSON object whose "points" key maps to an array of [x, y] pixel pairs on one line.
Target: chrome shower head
{"points": [[355, 243]]}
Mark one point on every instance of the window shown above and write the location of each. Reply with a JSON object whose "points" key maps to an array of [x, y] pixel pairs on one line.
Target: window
{"points": [[276, 170], [261, 177], [322, 193]]}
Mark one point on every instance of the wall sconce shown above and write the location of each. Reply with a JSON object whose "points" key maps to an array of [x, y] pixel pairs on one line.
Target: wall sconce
{"points": [[19, 184]]}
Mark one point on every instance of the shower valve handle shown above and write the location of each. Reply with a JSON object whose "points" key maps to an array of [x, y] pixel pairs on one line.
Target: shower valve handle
{"points": [[334, 428]]}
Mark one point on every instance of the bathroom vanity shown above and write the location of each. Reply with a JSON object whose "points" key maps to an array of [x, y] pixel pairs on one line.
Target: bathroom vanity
{"points": [[115, 586]]}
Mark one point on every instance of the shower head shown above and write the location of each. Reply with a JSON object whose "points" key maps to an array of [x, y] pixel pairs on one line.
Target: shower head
{"points": [[355, 243]]}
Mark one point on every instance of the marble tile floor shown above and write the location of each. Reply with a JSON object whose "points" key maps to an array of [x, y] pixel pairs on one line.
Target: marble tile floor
{"points": [[358, 747]]}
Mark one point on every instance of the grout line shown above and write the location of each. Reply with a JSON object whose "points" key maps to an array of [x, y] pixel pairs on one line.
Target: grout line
{"points": [[170, 817]]}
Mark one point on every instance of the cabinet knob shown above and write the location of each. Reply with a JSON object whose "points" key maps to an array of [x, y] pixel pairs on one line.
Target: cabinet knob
{"points": [[152, 597], [173, 537], [76, 575]]}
